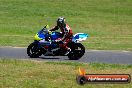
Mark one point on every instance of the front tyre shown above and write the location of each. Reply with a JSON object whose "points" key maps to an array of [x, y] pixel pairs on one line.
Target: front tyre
{"points": [[33, 51], [77, 51]]}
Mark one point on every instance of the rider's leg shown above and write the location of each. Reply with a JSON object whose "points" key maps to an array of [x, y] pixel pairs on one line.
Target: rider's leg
{"points": [[65, 47]]}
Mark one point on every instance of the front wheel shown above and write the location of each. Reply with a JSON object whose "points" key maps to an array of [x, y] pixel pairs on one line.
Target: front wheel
{"points": [[77, 51], [33, 51]]}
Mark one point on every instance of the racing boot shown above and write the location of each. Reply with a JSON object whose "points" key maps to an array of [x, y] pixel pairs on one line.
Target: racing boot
{"points": [[68, 51]]}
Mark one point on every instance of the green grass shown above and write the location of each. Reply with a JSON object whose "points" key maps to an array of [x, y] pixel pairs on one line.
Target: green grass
{"points": [[108, 22], [45, 74]]}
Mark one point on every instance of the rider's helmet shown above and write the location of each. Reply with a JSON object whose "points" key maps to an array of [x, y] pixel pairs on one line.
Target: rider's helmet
{"points": [[61, 22]]}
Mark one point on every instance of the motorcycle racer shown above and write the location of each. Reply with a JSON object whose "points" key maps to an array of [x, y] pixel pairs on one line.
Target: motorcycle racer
{"points": [[66, 33], [51, 43]]}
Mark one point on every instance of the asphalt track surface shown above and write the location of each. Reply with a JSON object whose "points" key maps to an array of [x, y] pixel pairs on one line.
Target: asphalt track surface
{"points": [[101, 56]]}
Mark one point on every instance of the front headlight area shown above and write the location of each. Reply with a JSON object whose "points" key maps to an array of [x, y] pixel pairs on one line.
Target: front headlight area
{"points": [[36, 37]]}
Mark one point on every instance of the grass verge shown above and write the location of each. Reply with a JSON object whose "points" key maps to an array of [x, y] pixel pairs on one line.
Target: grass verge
{"points": [[108, 22], [45, 74]]}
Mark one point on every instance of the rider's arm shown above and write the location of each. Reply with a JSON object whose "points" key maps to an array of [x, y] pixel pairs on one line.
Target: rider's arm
{"points": [[54, 28]]}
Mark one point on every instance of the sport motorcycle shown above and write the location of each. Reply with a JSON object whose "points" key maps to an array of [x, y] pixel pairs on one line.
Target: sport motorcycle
{"points": [[45, 39]]}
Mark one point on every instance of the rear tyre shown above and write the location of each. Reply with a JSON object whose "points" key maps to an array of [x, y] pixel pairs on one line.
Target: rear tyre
{"points": [[77, 51], [33, 51]]}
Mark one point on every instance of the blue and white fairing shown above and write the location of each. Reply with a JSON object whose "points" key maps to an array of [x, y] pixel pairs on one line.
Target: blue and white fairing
{"points": [[76, 37], [79, 37], [55, 35]]}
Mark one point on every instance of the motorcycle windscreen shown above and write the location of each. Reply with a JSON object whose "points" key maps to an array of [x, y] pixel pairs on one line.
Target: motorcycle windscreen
{"points": [[80, 36], [42, 34]]}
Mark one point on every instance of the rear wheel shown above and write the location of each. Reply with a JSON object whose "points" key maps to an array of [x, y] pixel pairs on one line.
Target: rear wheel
{"points": [[33, 51], [77, 51]]}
